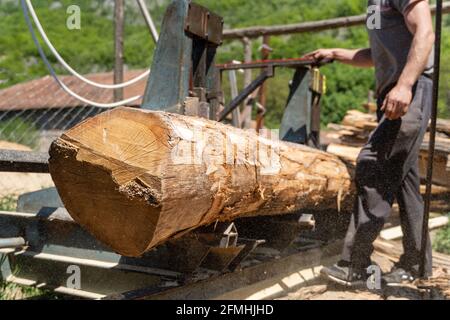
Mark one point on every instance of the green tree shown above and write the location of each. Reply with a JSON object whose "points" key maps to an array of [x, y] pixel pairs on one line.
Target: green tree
{"points": [[91, 48]]}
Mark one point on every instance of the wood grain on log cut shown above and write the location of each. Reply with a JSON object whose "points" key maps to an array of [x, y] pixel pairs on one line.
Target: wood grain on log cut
{"points": [[135, 178]]}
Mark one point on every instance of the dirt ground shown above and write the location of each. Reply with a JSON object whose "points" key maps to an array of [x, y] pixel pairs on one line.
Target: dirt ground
{"points": [[437, 288]]}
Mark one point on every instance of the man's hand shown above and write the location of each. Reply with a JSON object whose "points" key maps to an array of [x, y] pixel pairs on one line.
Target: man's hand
{"points": [[396, 103], [320, 55], [353, 57]]}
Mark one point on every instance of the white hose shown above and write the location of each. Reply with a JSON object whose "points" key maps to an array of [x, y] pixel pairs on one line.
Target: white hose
{"points": [[67, 66], [148, 20], [54, 75]]}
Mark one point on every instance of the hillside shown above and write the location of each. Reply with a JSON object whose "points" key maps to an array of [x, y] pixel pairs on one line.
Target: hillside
{"points": [[91, 48]]}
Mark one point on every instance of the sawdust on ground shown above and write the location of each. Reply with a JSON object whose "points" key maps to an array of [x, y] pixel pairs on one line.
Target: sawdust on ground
{"points": [[436, 288]]}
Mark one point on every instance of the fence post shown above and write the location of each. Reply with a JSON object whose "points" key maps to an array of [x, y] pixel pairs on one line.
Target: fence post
{"points": [[118, 47], [247, 110], [265, 52]]}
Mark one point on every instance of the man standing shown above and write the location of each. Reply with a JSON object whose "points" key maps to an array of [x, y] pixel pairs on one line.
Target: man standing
{"points": [[387, 168]]}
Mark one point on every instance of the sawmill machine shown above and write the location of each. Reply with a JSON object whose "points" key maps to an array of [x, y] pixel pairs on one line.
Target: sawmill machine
{"points": [[45, 247]]}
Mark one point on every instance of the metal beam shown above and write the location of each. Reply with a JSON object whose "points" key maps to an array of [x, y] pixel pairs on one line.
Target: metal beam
{"points": [[431, 150], [23, 161], [285, 63], [266, 74], [12, 243]]}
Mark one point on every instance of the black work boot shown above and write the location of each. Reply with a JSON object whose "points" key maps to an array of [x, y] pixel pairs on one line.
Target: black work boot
{"points": [[398, 276], [344, 274]]}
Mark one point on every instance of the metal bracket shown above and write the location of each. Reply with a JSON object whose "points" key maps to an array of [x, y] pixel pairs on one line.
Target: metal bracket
{"points": [[23, 161], [269, 72], [183, 64], [318, 81], [204, 24]]}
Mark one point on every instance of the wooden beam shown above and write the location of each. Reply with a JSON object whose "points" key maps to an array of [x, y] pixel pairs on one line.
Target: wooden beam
{"points": [[396, 232], [119, 15], [313, 26], [248, 54], [265, 53]]}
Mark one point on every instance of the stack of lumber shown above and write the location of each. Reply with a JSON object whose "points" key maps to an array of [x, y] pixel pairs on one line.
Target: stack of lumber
{"points": [[354, 129], [346, 139], [441, 174]]}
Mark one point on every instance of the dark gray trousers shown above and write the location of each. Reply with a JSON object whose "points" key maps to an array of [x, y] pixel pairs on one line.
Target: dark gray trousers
{"points": [[387, 169]]}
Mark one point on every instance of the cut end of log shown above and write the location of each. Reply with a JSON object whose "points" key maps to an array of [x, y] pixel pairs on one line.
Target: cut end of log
{"points": [[103, 172], [135, 178]]}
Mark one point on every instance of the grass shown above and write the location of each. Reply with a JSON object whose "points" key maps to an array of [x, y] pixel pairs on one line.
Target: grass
{"points": [[442, 241], [12, 291], [8, 203]]}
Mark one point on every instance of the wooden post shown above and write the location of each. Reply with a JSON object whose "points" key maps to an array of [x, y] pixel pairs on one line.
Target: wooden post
{"points": [[247, 110], [265, 52], [118, 47], [309, 26]]}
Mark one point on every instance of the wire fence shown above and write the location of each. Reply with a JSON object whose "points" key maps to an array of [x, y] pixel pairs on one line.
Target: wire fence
{"points": [[33, 129]]}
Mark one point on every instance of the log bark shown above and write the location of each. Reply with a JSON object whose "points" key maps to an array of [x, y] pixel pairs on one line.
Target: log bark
{"points": [[136, 178]]}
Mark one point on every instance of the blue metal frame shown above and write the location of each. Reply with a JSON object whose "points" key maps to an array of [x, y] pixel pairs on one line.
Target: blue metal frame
{"points": [[168, 84]]}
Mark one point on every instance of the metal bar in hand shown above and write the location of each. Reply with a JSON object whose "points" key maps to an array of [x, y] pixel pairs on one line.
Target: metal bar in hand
{"points": [[23, 161], [437, 65], [286, 63], [268, 73]]}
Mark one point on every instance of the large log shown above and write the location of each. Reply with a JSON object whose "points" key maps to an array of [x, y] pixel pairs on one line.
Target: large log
{"points": [[136, 178]]}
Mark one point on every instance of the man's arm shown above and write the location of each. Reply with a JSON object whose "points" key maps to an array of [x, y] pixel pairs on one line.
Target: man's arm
{"points": [[419, 22], [358, 57]]}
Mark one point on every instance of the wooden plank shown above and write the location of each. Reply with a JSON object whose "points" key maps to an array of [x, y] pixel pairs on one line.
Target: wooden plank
{"points": [[396, 232]]}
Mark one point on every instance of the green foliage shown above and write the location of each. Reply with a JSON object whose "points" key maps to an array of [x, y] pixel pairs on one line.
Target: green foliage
{"points": [[91, 48], [19, 131], [442, 241], [8, 203], [11, 291]]}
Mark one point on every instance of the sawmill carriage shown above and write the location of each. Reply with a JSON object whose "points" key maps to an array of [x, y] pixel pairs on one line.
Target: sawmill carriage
{"points": [[137, 230]]}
